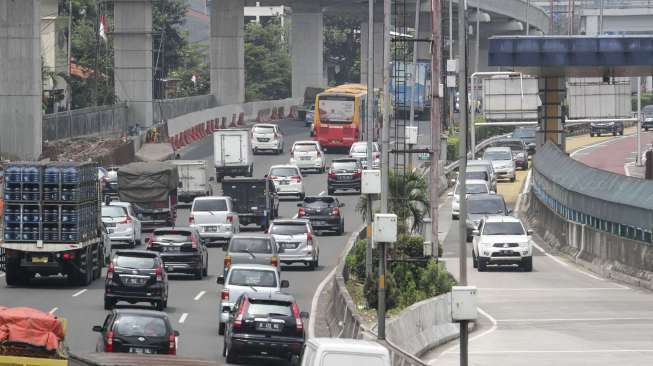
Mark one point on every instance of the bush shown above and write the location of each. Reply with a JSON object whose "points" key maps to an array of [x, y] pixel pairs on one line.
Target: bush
{"points": [[452, 147], [355, 260], [371, 291]]}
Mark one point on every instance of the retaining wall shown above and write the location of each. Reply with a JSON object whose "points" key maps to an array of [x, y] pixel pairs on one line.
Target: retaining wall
{"points": [[93, 121]]}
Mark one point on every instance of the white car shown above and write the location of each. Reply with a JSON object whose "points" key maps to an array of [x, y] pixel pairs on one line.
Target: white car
{"points": [[474, 186], [297, 242], [288, 180], [358, 150], [243, 278], [502, 162], [267, 136], [122, 224], [214, 218], [308, 155], [502, 240], [488, 166]]}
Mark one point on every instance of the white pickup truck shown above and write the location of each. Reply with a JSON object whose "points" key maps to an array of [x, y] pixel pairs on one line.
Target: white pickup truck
{"points": [[215, 219]]}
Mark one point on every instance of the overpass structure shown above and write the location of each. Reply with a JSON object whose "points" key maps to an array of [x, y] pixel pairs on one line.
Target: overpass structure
{"points": [[20, 68]]}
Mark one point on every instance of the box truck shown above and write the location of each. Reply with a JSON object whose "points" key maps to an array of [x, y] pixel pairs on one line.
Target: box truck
{"points": [[232, 153]]}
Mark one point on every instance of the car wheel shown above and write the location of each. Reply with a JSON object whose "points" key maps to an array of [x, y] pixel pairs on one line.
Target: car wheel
{"points": [[221, 329], [474, 260], [621, 132], [513, 179], [598, 134], [614, 133], [591, 134], [482, 265], [302, 196], [330, 191], [341, 228], [469, 238], [108, 304], [205, 271], [527, 264], [198, 273], [230, 357], [454, 217], [158, 305], [646, 129]]}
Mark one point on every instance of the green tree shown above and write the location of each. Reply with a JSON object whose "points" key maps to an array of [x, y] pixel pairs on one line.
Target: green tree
{"points": [[194, 62], [342, 46], [167, 17], [267, 62]]}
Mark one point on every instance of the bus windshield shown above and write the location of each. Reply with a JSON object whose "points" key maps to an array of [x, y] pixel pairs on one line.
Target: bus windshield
{"points": [[336, 109]]}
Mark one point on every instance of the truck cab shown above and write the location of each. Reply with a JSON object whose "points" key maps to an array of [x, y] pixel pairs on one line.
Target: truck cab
{"points": [[344, 352]]}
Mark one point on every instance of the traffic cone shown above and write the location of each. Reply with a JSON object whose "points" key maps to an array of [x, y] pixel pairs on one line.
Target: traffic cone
{"points": [[281, 112], [241, 119], [274, 115], [224, 123]]}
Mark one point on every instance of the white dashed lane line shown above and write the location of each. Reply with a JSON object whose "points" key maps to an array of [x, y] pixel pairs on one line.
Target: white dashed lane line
{"points": [[199, 296], [53, 310], [79, 292], [182, 318]]}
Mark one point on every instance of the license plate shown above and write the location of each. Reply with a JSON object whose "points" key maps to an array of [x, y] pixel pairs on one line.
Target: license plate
{"points": [[39, 259], [289, 245], [269, 326], [169, 249], [506, 252], [319, 223], [140, 350], [284, 182], [135, 281], [305, 158], [263, 140], [345, 177], [211, 228]]}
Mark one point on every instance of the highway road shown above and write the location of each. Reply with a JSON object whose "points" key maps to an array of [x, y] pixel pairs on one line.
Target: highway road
{"points": [[192, 304]]}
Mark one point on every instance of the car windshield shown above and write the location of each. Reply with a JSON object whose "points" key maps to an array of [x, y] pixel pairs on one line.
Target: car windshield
{"points": [[113, 211], [476, 175], [318, 201], [304, 147], [497, 155], [252, 277], [269, 307], [485, 206], [503, 228], [284, 172], [139, 325], [252, 245], [171, 236], [210, 205], [288, 229], [513, 145], [344, 165], [524, 133], [134, 262], [473, 188], [263, 129]]}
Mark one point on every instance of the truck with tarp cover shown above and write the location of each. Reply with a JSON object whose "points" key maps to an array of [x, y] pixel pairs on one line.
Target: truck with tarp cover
{"points": [[151, 187]]}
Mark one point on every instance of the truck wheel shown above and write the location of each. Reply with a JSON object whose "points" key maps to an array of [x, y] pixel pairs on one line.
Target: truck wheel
{"points": [[646, 129], [474, 260]]}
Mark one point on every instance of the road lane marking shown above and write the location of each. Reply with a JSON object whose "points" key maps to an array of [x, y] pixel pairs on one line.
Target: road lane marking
{"points": [[492, 329], [562, 351], [199, 296], [555, 289], [53, 310], [576, 269], [79, 292], [554, 320], [294, 217], [559, 261], [182, 318], [322, 193], [597, 144], [627, 168]]}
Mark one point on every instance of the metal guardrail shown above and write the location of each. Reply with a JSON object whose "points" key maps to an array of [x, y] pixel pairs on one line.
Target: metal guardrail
{"points": [[448, 169]]}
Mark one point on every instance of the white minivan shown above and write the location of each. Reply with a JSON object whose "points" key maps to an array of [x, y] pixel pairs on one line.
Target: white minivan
{"points": [[232, 153], [344, 352]]}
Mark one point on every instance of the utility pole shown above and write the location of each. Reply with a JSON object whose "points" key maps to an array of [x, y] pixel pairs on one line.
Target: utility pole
{"points": [[528, 26], [638, 160], [70, 47], [413, 81], [370, 127], [436, 120], [462, 221], [387, 105], [452, 94]]}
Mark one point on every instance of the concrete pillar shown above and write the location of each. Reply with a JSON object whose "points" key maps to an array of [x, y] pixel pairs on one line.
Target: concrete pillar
{"points": [[550, 120], [306, 48], [228, 51], [132, 43], [20, 80], [378, 53]]}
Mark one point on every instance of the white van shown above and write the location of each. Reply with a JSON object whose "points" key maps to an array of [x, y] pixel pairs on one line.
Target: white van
{"points": [[232, 153], [193, 179], [344, 352]]}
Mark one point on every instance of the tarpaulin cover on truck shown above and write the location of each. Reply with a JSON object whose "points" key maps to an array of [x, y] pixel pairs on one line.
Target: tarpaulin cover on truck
{"points": [[147, 182], [31, 326]]}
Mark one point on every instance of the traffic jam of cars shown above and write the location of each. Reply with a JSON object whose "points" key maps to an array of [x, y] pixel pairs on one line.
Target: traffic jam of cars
{"points": [[498, 238], [148, 248]]}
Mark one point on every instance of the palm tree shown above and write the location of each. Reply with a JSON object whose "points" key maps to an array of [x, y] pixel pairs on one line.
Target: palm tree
{"points": [[408, 199]]}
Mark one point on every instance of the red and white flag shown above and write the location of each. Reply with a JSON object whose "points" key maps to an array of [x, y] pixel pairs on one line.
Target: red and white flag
{"points": [[103, 27]]}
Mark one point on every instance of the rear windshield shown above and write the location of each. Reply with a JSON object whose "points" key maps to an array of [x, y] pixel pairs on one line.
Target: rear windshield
{"points": [[497, 155], [476, 175], [473, 188], [344, 165], [269, 308], [263, 129], [513, 145], [172, 236], [283, 172], [503, 228], [318, 201], [113, 211], [210, 205], [134, 262], [252, 277], [489, 206], [288, 229], [253, 245], [305, 147], [141, 325]]}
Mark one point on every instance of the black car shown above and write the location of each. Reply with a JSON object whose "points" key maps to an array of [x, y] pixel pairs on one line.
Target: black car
{"points": [[323, 212], [344, 174], [137, 331], [613, 127], [518, 149], [264, 324], [647, 117], [480, 206], [136, 276], [182, 250], [528, 135]]}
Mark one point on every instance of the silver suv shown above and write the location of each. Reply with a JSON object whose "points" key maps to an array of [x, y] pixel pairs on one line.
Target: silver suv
{"points": [[297, 242], [251, 249]]}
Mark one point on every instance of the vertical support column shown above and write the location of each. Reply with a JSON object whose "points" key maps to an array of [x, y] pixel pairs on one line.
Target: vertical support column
{"points": [[228, 51], [306, 48], [20, 79], [378, 52], [132, 43], [552, 90]]}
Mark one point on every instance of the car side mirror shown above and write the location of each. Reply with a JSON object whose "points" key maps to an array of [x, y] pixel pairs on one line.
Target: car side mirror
{"points": [[97, 328], [220, 280], [529, 231], [176, 333], [285, 284], [476, 232], [299, 205], [304, 315]]}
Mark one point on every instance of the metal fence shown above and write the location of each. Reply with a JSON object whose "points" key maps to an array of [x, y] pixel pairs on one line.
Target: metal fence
{"points": [[93, 121], [620, 205]]}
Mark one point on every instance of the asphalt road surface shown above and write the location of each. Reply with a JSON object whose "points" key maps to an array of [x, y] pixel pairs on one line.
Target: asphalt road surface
{"points": [[193, 305]]}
